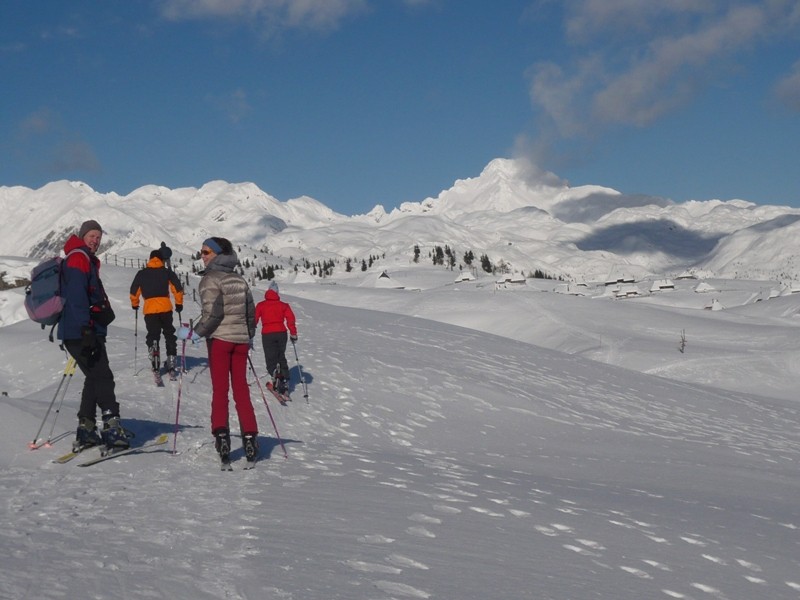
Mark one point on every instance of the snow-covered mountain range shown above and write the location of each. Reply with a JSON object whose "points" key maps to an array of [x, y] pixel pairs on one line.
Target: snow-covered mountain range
{"points": [[527, 219]]}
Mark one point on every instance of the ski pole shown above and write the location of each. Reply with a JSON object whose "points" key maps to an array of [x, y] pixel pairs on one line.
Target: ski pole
{"points": [[269, 412], [302, 377], [190, 325], [180, 390], [70, 365], [178, 406], [135, 340], [60, 403]]}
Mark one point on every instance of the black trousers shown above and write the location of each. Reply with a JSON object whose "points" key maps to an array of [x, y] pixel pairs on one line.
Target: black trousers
{"points": [[98, 385], [157, 323], [275, 352]]}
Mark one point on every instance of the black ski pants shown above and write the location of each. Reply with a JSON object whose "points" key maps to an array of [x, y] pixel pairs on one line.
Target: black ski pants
{"points": [[156, 323], [98, 385], [275, 352]]}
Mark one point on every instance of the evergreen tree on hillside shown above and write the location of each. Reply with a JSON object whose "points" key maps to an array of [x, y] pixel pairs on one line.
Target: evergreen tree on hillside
{"points": [[486, 264]]}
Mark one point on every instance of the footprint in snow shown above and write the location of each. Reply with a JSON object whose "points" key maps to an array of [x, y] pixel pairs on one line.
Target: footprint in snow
{"points": [[401, 589], [366, 567], [403, 561]]}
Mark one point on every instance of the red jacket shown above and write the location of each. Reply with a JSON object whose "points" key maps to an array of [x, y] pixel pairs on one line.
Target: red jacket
{"points": [[275, 314]]}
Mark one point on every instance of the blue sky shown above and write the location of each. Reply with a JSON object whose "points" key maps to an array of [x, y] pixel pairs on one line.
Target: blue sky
{"points": [[365, 102]]}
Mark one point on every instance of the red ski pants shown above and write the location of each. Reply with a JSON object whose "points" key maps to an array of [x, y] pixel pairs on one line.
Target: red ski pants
{"points": [[228, 365]]}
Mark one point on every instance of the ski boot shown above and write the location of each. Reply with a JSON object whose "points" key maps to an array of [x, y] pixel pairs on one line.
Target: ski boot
{"points": [[280, 384], [171, 363], [86, 436], [250, 441], [222, 442], [114, 435], [154, 356]]}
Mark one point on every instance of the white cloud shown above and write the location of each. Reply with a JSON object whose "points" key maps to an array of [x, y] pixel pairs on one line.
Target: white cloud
{"points": [[36, 123], [272, 14], [44, 144], [235, 105], [597, 18], [637, 61], [788, 89], [673, 68], [73, 155]]}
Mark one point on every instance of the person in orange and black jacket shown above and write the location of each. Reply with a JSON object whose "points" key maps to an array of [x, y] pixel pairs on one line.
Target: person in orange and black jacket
{"points": [[154, 283]]}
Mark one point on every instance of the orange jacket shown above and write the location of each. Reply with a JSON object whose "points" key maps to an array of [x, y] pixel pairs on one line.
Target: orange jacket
{"points": [[154, 283]]}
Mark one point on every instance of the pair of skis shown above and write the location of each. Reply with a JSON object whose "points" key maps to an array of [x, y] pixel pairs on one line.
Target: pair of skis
{"points": [[225, 464], [158, 378], [282, 397], [109, 454], [162, 439]]}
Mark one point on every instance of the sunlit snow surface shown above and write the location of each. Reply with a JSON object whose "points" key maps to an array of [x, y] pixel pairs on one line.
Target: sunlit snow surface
{"points": [[462, 441]]}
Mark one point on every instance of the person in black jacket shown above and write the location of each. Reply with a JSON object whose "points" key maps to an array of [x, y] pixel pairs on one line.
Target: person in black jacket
{"points": [[154, 283], [166, 255]]}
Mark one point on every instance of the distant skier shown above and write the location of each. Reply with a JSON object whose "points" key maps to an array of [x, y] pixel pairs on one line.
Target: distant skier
{"points": [[83, 327], [154, 283], [276, 316], [166, 255]]}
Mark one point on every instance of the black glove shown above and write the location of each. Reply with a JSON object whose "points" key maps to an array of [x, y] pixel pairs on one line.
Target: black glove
{"points": [[88, 341], [179, 308], [136, 308], [293, 338]]}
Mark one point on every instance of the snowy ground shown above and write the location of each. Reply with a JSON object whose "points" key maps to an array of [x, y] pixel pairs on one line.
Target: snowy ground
{"points": [[457, 442]]}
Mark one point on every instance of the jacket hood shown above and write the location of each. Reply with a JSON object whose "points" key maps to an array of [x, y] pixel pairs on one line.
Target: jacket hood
{"points": [[155, 263], [271, 294], [75, 242], [223, 262]]}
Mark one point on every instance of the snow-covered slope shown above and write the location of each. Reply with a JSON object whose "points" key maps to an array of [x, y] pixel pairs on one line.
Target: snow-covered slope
{"points": [[444, 458]]}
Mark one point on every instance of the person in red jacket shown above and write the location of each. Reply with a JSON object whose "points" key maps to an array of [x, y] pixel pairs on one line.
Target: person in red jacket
{"points": [[276, 317]]}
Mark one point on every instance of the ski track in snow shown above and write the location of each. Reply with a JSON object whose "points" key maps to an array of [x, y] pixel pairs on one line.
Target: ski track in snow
{"points": [[575, 466]]}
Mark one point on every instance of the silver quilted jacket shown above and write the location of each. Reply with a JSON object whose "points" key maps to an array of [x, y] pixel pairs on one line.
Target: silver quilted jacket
{"points": [[228, 310]]}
